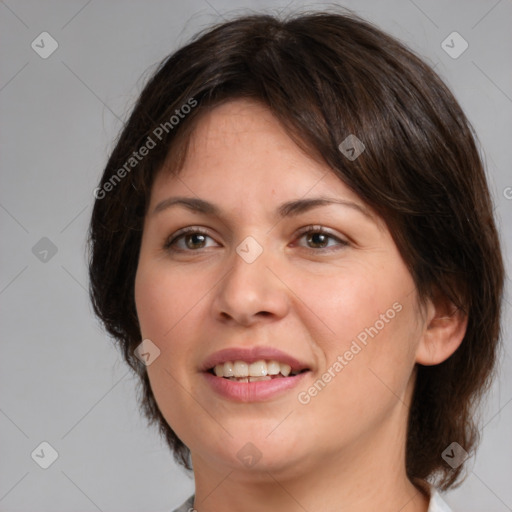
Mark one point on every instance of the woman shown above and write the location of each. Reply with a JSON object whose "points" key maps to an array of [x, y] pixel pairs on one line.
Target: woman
{"points": [[293, 243]]}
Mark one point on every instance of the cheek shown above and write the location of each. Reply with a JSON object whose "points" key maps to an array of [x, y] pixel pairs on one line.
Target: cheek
{"points": [[165, 307], [171, 311], [369, 319], [348, 301], [163, 299]]}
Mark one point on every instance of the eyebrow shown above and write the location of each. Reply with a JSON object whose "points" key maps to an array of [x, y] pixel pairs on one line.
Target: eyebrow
{"points": [[288, 209]]}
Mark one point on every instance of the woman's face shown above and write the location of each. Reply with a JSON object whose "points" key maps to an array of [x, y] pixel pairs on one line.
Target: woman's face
{"points": [[274, 274]]}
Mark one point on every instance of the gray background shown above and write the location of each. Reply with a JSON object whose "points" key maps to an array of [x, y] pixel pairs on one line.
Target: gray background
{"points": [[61, 379]]}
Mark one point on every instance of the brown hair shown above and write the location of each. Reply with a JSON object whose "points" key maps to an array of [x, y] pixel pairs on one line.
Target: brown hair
{"points": [[326, 76]]}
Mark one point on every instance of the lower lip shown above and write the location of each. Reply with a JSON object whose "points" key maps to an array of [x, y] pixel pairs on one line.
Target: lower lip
{"points": [[259, 391]]}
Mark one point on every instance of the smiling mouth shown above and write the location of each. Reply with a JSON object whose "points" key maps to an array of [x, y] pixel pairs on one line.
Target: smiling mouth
{"points": [[262, 370]]}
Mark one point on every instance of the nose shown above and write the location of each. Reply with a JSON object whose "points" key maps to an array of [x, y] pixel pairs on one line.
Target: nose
{"points": [[250, 292]]}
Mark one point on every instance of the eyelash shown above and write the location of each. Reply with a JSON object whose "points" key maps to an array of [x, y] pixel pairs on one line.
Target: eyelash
{"points": [[315, 229]]}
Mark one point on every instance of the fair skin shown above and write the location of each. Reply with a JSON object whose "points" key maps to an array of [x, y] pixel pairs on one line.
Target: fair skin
{"points": [[307, 295]]}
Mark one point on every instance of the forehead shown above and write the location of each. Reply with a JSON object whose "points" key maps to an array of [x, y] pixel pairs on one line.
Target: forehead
{"points": [[239, 150], [245, 133]]}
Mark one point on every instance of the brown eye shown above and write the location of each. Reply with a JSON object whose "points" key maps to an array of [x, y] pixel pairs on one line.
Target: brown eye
{"points": [[188, 240], [194, 241], [319, 238]]}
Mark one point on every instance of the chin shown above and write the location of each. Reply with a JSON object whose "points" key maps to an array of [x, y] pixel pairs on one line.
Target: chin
{"points": [[257, 455]]}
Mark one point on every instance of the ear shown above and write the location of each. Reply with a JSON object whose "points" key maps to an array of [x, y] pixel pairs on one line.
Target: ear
{"points": [[444, 330]]}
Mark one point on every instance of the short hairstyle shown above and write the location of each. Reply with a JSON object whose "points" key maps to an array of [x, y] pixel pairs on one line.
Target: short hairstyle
{"points": [[325, 76]]}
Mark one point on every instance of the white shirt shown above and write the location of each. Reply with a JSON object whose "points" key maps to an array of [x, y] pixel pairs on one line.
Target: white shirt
{"points": [[436, 503]]}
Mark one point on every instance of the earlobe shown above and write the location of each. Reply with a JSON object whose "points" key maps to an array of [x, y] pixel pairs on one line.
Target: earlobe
{"points": [[445, 328]]}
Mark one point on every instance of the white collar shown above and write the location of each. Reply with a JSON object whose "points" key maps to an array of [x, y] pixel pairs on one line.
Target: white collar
{"points": [[436, 503]]}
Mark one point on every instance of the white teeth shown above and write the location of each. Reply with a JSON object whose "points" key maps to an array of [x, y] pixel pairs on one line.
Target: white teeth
{"points": [[241, 369], [250, 379], [229, 370], [257, 379], [259, 370], [273, 368], [286, 369]]}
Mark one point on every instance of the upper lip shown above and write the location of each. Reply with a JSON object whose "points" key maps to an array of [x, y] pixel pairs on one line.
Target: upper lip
{"points": [[251, 355]]}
